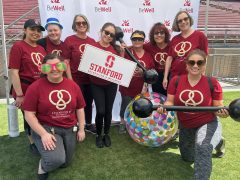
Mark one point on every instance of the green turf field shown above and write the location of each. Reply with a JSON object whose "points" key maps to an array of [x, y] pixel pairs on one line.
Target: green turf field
{"points": [[125, 159]]}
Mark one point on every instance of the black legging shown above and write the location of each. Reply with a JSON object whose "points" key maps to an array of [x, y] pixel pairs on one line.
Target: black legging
{"points": [[87, 94], [104, 97], [158, 87]]}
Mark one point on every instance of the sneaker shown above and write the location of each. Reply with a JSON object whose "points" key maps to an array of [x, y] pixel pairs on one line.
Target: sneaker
{"points": [[220, 148], [90, 128], [33, 149], [99, 141], [122, 129], [42, 176], [107, 140]]}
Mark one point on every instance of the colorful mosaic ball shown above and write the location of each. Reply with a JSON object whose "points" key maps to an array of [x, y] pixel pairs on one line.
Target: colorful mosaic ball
{"points": [[155, 130]]}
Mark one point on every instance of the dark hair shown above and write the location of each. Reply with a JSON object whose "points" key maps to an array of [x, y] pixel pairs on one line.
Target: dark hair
{"points": [[197, 52], [159, 26], [50, 57], [85, 19], [175, 26], [113, 42], [138, 32]]}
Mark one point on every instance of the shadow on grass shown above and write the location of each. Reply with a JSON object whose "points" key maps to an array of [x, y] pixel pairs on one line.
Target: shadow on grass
{"points": [[125, 159]]}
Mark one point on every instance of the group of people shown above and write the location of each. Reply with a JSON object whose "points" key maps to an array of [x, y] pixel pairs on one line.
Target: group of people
{"points": [[56, 99]]}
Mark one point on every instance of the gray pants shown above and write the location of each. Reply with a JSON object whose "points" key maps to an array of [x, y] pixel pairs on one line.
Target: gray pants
{"points": [[62, 155], [197, 144]]}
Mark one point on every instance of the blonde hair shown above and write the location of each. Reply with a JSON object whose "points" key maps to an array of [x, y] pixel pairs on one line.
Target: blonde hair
{"points": [[175, 26]]}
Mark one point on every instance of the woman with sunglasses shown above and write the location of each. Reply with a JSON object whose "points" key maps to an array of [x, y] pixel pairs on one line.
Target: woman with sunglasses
{"points": [[24, 60], [76, 43], [136, 85], [52, 43], [181, 44], [103, 91], [158, 47], [200, 132], [54, 108]]}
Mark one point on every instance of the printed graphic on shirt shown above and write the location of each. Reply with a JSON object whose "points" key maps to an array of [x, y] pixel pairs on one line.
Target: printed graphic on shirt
{"points": [[191, 97], [160, 58], [182, 48], [37, 58], [57, 51], [60, 98]]}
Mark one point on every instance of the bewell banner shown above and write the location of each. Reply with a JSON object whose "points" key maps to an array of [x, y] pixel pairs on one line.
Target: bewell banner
{"points": [[129, 15]]}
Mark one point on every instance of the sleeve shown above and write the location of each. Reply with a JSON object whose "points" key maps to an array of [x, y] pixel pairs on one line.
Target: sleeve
{"points": [[172, 86], [67, 44], [31, 98], [80, 100], [15, 57], [217, 93], [203, 43]]}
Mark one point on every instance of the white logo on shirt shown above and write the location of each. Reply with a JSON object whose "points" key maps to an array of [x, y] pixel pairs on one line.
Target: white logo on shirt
{"points": [[191, 94], [61, 103], [182, 48]]}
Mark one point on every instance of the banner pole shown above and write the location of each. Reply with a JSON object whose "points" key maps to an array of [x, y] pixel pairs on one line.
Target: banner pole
{"points": [[206, 18]]}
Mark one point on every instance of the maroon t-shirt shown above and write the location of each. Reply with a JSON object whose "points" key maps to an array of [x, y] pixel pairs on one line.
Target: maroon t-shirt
{"points": [[61, 49], [96, 80], [159, 55], [136, 84], [76, 46], [198, 95], [27, 60], [55, 104], [180, 47]]}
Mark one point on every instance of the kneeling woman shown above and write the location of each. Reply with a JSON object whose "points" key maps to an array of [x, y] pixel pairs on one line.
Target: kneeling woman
{"points": [[54, 108], [200, 132]]}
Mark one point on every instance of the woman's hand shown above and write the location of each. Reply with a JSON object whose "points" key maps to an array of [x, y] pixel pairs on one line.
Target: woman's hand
{"points": [[19, 101], [161, 110], [223, 113], [165, 83], [48, 141], [81, 135]]}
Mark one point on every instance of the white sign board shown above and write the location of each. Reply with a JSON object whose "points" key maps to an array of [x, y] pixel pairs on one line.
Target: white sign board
{"points": [[107, 66]]}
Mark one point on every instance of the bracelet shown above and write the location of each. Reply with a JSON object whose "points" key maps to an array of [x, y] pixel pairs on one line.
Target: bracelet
{"points": [[20, 95]]}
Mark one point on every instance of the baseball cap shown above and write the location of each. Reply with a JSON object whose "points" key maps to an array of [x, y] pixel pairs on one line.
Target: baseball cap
{"points": [[32, 23], [53, 21], [138, 34]]}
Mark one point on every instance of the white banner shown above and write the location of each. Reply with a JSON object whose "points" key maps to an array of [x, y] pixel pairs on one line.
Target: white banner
{"points": [[106, 65], [130, 15]]}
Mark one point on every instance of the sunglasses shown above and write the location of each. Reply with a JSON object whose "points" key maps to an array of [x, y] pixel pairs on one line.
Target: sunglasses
{"points": [[199, 62], [84, 23], [159, 33], [47, 68], [181, 20], [137, 39], [107, 33]]}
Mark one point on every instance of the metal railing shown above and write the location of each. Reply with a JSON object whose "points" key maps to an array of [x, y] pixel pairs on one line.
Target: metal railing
{"points": [[224, 66]]}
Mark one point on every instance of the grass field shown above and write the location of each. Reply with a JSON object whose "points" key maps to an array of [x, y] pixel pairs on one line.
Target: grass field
{"points": [[125, 159]]}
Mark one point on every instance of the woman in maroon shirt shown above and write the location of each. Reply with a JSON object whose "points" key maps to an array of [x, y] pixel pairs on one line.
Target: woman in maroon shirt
{"points": [[76, 44], [54, 108], [103, 91], [24, 60], [181, 44], [136, 85], [158, 47], [200, 132]]}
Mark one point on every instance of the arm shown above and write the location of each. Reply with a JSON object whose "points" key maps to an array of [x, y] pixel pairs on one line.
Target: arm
{"points": [[166, 71], [68, 71], [81, 122], [47, 138], [223, 113], [14, 73]]}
